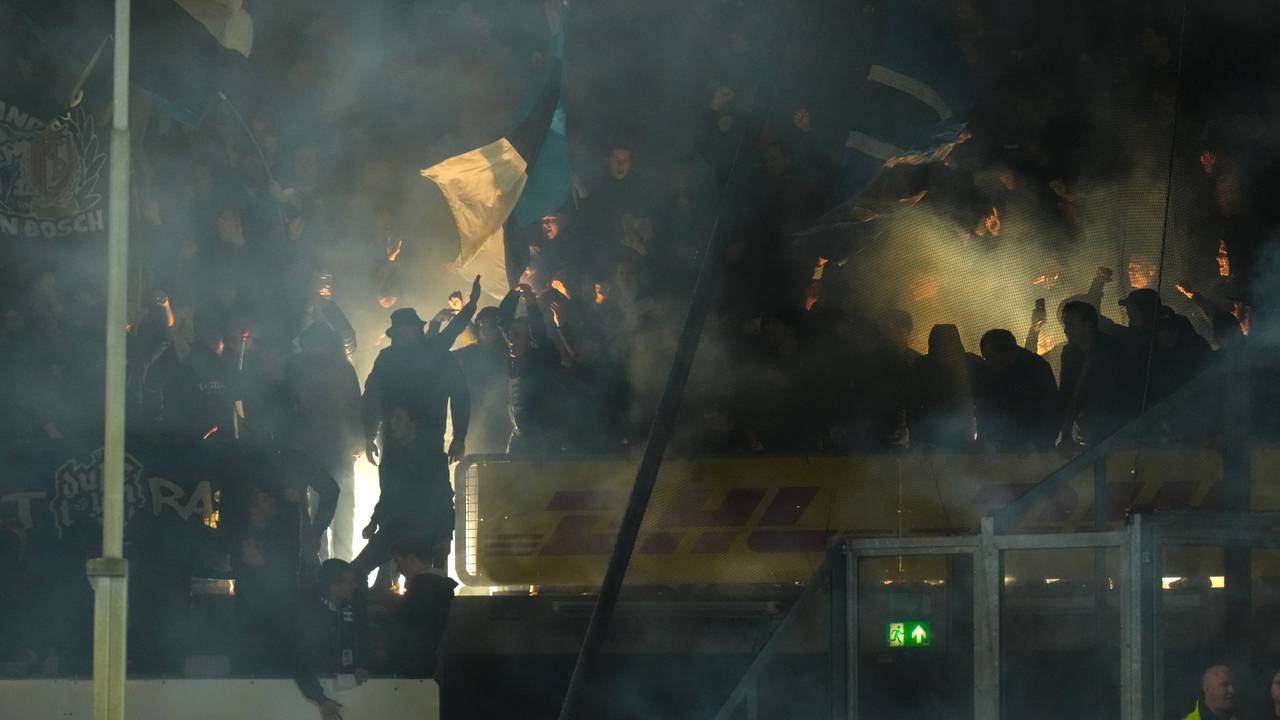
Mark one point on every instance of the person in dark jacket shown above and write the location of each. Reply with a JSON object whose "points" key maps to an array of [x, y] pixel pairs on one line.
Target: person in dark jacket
{"points": [[322, 307], [264, 558], [1163, 343], [415, 498], [272, 541], [154, 368], [422, 617], [329, 636], [418, 374], [941, 413], [532, 373], [412, 386], [485, 365], [1017, 398], [209, 405], [326, 420], [1097, 388]]}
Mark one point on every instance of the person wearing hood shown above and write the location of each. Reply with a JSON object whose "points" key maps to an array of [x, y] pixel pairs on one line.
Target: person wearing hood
{"points": [[941, 412]]}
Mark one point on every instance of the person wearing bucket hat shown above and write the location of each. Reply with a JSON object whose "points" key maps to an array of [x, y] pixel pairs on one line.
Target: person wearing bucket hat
{"points": [[404, 322], [414, 387]]}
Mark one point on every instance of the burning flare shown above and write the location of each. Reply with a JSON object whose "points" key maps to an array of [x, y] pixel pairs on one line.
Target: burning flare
{"points": [[1241, 313], [1185, 291], [1045, 280], [1224, 260], [990, 225]]}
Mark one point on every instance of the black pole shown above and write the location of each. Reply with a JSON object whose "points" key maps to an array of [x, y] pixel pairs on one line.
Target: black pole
{"points": [[664, 420]]}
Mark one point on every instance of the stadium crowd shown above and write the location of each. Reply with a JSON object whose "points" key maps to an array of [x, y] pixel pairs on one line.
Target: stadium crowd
{"points": [[270, 252]]}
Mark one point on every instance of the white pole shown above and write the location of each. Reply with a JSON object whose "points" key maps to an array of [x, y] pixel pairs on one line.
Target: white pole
{"points": [[109, 574]]}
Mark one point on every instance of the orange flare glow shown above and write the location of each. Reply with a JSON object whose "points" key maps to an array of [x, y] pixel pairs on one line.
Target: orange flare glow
{"points": [[924, 287], [1241, 313], [1045, 280], [386, 301], [990, 225], [1183, 289], [1224, 260]]}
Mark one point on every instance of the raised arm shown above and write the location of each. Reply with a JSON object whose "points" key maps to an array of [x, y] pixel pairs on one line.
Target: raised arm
{"points": [[537, 323], [1099, 284], [459, 407], [507, 309], [1038, 317], [371, 412], [460, 321]]}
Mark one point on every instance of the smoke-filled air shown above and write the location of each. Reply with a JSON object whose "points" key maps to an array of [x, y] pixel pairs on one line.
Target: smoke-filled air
{"points": [[639, 359]]}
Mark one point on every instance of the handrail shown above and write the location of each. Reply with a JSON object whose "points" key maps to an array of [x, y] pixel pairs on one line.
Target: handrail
{"points": [[1015, 509]]}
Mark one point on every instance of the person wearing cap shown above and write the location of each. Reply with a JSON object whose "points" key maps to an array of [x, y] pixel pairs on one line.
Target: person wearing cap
{"points": [[1164, 342], [1142, 308], [415, 383]]}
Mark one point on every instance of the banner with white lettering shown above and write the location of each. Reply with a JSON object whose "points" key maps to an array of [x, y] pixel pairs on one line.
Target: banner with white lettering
{"points": [[53, 174], [194, 498]]}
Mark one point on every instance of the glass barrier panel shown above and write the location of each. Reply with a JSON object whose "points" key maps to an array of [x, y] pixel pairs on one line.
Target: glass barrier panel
{"points": [[1060, 633], [915, 637], [1191, 627]]}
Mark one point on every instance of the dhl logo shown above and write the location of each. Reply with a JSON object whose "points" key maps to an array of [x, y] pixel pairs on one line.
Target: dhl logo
{"points": [[803, 519]]}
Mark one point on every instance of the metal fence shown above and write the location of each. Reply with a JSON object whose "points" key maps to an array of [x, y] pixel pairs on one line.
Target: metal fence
{"points": [[1150, 622]]}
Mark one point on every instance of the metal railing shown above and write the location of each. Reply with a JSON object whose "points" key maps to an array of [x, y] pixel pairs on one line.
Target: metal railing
{"points": [[1146, 684]]}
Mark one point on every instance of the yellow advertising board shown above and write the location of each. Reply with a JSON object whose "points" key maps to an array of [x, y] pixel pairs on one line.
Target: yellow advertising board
{"points": [[768, 520]]}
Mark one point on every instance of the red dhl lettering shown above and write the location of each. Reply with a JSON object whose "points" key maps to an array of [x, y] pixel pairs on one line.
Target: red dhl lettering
{"points": [[693, 521]]}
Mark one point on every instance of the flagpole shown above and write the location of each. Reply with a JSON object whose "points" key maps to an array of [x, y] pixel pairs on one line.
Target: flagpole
{"points": [[109, 573]]}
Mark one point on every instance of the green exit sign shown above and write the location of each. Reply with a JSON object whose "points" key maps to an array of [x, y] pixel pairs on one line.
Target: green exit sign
{"points": [[909, 634]]}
